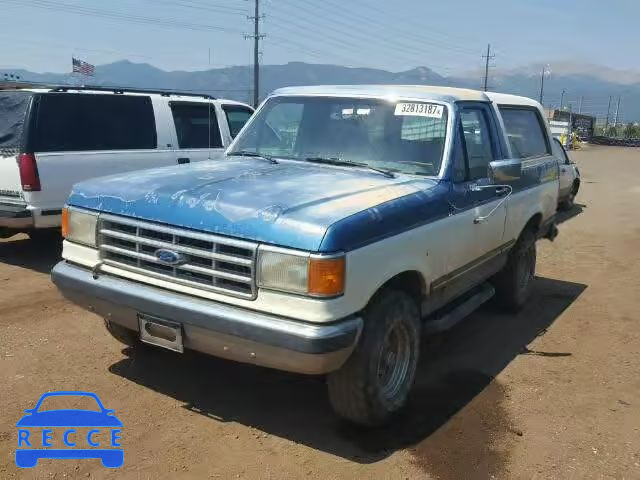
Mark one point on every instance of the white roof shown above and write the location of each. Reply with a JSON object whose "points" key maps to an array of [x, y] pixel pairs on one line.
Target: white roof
{"points": [[506, 99], [172, 95], [423, 92]]}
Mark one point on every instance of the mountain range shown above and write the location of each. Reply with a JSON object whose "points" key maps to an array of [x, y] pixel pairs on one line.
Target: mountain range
{"points": [[595, 84]]}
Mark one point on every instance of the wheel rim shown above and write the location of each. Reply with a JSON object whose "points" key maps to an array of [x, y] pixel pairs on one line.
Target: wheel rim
{"points": [[395, 361]]}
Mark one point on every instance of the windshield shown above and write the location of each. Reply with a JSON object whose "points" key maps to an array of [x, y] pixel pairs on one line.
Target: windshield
{"points": [[407, 137]]}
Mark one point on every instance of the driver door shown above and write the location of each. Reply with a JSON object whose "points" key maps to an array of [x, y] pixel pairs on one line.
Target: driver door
{"points": [[478, 208]]}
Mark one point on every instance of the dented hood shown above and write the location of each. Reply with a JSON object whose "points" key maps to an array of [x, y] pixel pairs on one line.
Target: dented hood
{"points": [[289, 204]]}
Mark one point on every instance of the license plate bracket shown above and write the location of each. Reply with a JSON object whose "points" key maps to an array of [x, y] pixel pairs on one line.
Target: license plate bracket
{"points": [[160, 332]]}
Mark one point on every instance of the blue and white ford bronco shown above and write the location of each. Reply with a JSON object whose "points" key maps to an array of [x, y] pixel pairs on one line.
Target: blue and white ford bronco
{"points": [[342, 223]]}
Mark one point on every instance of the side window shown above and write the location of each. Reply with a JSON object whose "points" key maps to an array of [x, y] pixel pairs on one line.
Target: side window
{"points": [[477, 142], [236, 118], [526, 132], [71, 122], [559, 151], [196, 125]]}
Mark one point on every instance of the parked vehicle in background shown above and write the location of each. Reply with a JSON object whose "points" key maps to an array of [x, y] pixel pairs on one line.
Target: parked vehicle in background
{"points": [[569, 183], [53, 138], [344, 222]]}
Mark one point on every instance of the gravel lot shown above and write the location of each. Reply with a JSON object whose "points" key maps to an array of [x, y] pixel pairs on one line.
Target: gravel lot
{"points": [[553, 392]]}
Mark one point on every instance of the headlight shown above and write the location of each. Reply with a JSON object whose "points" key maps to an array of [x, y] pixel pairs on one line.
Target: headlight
{"points": [[300, 272], [79, 226]]}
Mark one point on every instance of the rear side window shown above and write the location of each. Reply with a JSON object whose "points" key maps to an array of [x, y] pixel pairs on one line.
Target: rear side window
{"points": [[70, 122], [525, 131], [196, 125], [13, 111], [236, 118]]}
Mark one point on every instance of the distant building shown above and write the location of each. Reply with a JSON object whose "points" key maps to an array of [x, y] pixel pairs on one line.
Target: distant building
{"points": [[582, 125]]}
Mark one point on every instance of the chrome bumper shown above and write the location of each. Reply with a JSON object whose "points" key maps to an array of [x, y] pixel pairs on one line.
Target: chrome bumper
{"points": [[214, 328], [15, 216]]}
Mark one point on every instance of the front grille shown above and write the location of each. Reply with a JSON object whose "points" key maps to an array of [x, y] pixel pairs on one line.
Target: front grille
{"points": [[209, 262]]}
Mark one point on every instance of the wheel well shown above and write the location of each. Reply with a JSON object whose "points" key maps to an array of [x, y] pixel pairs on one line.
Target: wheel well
{"points": [[534, 223], [576, 185], [410, 281]]}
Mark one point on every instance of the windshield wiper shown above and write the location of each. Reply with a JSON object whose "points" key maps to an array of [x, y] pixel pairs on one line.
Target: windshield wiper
{"points": [[347, 163], [243, 153]]}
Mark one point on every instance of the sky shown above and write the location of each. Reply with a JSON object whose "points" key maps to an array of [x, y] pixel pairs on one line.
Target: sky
{"points": [[447, 36]]}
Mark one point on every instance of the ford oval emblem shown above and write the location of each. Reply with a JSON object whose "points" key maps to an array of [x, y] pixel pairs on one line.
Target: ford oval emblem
{"points": [[169, 257]]}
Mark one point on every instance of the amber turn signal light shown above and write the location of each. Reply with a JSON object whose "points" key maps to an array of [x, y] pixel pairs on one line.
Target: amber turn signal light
{"points": [[65, 222], [326, 276]]}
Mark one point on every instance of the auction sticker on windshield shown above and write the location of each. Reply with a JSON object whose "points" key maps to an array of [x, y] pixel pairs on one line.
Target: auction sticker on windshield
{"points": [[419, 110]]}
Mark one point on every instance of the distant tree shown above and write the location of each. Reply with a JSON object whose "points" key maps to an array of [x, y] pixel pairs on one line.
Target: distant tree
{"points": [[629, 130], [612, 131]]}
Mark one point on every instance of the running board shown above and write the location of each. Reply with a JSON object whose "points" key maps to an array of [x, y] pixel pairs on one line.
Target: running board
{"points": [[460, 308]]}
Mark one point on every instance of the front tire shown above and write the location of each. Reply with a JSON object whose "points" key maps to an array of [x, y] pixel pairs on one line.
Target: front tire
{"points": [[514, 283], [375, 381]]}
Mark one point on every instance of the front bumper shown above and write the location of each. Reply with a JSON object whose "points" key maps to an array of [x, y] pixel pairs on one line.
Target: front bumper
{"points": [[15, 216], [214, 328]]}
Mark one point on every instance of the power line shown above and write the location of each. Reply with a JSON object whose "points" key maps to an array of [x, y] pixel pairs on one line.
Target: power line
{"points": [[126, 17], [205, 7], [344, 37], [389, 25], [350, 30], [304, 32]]}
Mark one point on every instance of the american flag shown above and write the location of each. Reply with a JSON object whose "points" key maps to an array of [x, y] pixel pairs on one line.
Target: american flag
{"points": [[82, 67]]}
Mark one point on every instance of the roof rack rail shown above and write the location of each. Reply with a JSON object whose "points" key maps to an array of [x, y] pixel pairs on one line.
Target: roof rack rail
{"points": [[120, 90]]}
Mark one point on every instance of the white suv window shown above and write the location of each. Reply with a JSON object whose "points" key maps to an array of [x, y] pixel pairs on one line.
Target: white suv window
{"points": [[72, 122], [525, 131], [196, 125]]}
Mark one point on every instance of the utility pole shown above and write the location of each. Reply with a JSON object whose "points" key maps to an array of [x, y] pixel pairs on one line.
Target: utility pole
{"points": [[562, 98], [544, 71], [257, 36], [615, 121], [580, 104], [487, 57], [606, 124]]}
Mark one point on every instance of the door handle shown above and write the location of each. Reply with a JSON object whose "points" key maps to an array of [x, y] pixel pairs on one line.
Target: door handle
{"points": [[183, 160], [501, 191]]}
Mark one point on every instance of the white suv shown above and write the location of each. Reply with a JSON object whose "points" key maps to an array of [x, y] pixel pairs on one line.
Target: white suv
{"points": [[50, 139]]}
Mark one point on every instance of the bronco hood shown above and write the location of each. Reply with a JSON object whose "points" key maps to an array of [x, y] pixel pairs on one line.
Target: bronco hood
{"points": [[290, 204]]}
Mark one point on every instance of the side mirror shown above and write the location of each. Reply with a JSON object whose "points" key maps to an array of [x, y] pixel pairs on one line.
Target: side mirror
{"points": [[505, 171]]}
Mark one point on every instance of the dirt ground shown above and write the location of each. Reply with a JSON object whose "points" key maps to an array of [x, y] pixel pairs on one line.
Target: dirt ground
{"points": [[553, 392]]}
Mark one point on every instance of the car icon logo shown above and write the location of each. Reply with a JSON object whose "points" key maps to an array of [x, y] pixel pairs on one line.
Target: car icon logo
{"points": [[169, 257], [39, 429]]}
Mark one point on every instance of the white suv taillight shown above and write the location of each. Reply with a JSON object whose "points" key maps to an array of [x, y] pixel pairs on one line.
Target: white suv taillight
{"points": [[29, 172]]}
